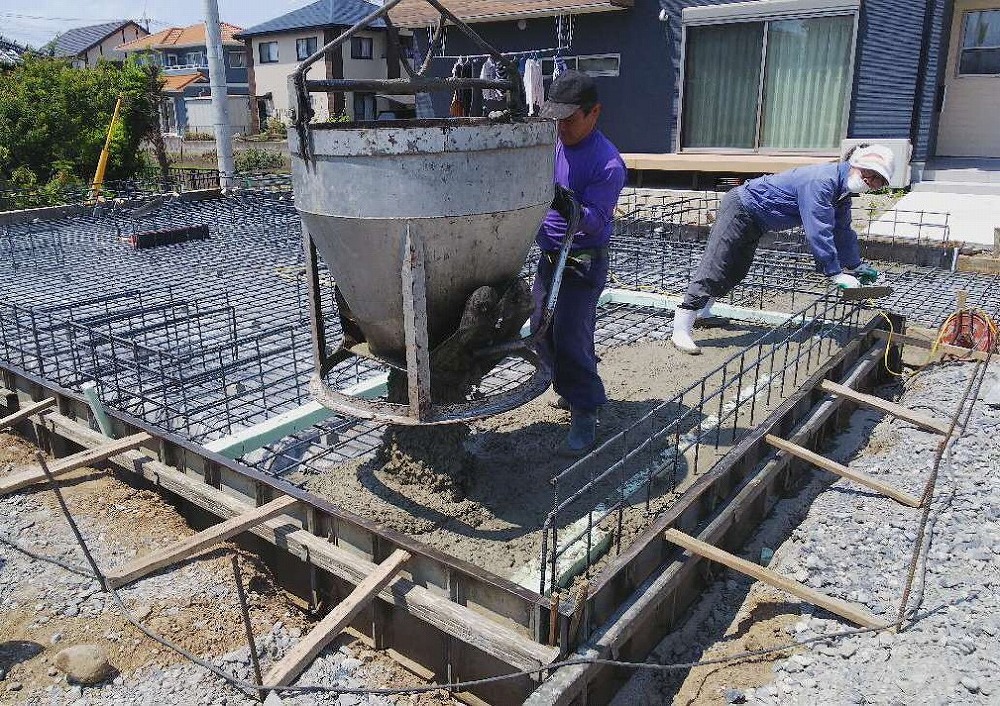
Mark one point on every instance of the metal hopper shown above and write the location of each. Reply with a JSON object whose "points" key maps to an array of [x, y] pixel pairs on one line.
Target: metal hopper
{"points": [[424, 226]]}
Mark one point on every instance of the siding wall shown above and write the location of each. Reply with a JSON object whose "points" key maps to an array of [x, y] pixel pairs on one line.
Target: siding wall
{"points": [[635, 104], [897, 68]]}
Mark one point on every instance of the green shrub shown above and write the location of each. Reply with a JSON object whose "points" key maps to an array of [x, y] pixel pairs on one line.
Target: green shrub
{"points": [[253, 160], [203, 136]]}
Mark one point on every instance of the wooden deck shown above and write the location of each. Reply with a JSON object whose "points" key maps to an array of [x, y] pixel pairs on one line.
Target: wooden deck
{"points": [[732, 163]]}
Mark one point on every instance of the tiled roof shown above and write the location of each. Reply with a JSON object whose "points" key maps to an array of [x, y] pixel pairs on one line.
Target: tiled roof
{"points": [[418, 13], [178, 82], [324, 13], [75, 41], [178, 37]]}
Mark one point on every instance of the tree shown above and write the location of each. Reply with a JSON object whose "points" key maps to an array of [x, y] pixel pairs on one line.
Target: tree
{"points": [[54, 120]]}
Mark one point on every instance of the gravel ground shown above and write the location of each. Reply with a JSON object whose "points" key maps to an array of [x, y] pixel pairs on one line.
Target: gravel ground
{"points": [[856, 545], [44, 607]]}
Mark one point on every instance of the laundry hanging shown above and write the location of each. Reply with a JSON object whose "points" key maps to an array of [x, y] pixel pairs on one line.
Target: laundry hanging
{"points": [[534, 90]]}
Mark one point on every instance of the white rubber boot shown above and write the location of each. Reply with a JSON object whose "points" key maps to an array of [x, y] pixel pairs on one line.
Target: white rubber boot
{"points": [[683, 327], [706, 311]]}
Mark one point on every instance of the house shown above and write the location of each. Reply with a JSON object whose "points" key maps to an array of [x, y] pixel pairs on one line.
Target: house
{"points": [[85, 46], [277, 46], [754, 86], [10, 52], [182, 55]]}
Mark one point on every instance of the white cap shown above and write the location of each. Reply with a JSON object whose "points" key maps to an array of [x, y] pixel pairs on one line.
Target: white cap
{"points": [[877, 158]]}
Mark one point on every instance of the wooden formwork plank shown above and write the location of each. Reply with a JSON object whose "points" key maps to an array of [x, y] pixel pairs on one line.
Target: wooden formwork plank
{"points": [[896, 410], [856, 614], [458, 621], [31, 476], [843, 471], [942, 348], [141, 566], [23, 414], [300, 656]]}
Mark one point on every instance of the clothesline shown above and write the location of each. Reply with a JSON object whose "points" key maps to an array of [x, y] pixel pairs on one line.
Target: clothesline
{"points": [[526, 52]]}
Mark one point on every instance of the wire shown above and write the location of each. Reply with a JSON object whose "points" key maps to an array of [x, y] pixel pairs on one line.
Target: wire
{"points": [[888, 347], [953, 326]]}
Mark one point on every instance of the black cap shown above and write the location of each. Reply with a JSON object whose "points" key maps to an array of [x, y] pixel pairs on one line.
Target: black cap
{"points": [[571, 90]]}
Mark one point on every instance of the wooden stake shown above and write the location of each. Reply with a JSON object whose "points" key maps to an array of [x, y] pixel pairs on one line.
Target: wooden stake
{"points": [[896, 410], [842, 471], [23, 414], [87, 457], [942, 349], [300, 656], [850, 611], [141, 566]]}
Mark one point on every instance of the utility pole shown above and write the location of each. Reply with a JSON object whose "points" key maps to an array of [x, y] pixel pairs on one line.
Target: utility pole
{"points": [[217, 77]]}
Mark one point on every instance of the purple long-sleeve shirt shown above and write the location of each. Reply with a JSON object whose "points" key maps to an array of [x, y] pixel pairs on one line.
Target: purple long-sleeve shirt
{"points": [[594, 171], [816, 198]]}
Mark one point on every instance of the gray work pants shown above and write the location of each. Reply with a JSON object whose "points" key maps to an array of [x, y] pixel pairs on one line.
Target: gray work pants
{"points": [[732, 243]]}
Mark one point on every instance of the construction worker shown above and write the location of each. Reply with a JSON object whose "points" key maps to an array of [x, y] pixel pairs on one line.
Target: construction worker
{"points": [[589, 166], [816, 198]]}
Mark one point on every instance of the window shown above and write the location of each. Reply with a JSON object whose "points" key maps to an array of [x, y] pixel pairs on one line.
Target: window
{"points": [[364, 106], [592, 65], [980, 43], [194, 58], [781, 84], [362, 48], [171, 60], [237, 60], [267, 52], [304, 48]]}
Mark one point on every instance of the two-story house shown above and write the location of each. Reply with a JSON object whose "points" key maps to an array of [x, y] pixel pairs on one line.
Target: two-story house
{"points": [[274, 48], [752, 85], [85, 46], [182, 54]]}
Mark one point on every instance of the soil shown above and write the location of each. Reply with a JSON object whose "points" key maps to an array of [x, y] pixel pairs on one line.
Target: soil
{"points": [[192, 603], [469, 490]]}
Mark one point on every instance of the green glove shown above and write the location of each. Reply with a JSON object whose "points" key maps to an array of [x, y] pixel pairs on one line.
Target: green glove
{"points": [[866, 274]]}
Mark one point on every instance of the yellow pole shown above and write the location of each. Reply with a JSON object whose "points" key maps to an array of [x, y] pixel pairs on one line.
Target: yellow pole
{"points": [[102, 163]]}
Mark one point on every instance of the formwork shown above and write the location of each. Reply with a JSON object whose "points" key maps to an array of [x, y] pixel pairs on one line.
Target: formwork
{"points": [[205, 345]]}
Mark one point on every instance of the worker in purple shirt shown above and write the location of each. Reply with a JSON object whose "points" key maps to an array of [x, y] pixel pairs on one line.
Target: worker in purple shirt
{"points": [[816, 198], [589, 166]]}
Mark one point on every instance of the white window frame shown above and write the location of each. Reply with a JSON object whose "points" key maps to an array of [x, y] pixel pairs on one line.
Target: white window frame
{"points": [[306, 41], [261, 45], [763, 11], [241, 63], [573, 62]]}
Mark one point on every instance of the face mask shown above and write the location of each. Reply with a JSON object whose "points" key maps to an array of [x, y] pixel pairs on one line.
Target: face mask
{"points": [[857, 185]]}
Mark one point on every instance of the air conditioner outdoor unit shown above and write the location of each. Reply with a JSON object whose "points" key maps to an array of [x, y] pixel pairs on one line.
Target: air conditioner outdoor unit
{"points": [[901, 149]]}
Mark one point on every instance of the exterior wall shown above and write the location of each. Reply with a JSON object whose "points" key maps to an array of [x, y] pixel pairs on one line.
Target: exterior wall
{"points": [[932, 79], [636, 104], [200, 116], [106, 48], [898, 58], [273, 78]]}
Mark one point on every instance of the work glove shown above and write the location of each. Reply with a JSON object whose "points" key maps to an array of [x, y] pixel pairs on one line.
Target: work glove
{"points": [[563, 202], [865, 273], [845, 281]]}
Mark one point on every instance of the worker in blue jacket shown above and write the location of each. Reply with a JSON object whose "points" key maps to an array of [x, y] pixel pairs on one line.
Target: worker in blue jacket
{"points": [[816, 198]]}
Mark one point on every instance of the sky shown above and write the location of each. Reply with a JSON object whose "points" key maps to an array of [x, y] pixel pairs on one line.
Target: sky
{"points": [[35, 22]]}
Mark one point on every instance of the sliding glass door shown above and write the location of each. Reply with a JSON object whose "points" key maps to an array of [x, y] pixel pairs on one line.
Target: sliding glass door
{"points": [[776, 85]]}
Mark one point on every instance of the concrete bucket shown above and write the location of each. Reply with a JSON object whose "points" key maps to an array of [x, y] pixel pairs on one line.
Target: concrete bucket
{"points": [[471, 193], [424, 226]]}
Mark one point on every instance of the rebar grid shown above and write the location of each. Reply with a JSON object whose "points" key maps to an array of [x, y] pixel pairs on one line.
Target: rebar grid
{"points": [[669, 446], [209, 337]]}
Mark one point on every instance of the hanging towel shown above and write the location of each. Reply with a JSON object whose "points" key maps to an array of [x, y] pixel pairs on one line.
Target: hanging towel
{"points": [[534, 91], [489, 73]]}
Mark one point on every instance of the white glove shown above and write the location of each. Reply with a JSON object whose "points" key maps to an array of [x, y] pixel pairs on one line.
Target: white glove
{"points": [[845, 281]]}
